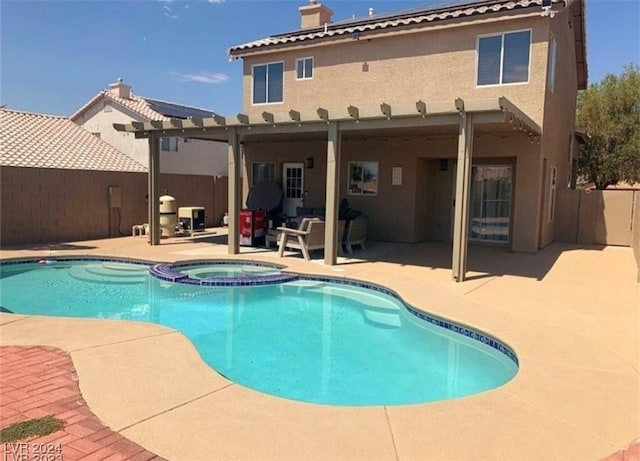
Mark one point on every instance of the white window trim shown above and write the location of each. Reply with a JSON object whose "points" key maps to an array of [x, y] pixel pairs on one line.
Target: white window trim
{"points": [[253, 66], [502, 34], [553, 182], [349, 178], [313, 70], [552, 67]]}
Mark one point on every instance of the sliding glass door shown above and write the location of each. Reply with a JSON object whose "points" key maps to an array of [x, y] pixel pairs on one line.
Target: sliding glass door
{"points": [[491, 192]]}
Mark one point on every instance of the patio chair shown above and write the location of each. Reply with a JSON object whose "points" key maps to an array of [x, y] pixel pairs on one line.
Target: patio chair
{"points": [[273, 235], [309, 236], [356, 234]]}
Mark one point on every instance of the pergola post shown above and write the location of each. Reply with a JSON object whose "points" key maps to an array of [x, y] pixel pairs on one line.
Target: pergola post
{"points": [[463, 181], [153, 190], [233, 153], [333, 180]]}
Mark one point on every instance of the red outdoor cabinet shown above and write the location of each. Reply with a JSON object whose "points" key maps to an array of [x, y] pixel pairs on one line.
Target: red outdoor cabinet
{"points": [[253, 224]]}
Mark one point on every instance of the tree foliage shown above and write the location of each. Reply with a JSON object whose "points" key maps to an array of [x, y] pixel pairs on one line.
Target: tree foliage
{"points": [[610, 112]]}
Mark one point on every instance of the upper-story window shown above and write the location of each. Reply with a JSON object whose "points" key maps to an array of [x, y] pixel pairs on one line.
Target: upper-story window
{"points": [[267, 83], [304, 68], [504, 58], [169, 144], [551, 72]]}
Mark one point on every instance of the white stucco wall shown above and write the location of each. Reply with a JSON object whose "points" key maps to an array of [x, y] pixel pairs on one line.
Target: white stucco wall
{"points": [[193, 157], [196, 157]]}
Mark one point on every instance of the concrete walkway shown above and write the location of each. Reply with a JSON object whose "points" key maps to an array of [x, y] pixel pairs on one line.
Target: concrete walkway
{"points": [[571, 314]]}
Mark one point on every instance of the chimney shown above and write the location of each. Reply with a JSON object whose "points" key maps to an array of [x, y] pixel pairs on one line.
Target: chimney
{"points": [[120, 89], [314, 15]]}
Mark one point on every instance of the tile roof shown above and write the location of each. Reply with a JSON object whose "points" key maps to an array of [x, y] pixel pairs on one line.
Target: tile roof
{"points": [[413, 16], [149, 108], [47, 141]]}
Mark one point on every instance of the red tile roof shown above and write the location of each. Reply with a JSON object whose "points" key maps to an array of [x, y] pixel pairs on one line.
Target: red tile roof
{"points": [[46, 141], [413, 16]]}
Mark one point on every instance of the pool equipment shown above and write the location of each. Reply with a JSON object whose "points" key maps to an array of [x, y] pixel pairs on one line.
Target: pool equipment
{"points": [[191, 219], [168, 219]]}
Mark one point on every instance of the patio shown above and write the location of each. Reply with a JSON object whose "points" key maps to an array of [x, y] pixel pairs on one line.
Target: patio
{"points": [[571, 314]]}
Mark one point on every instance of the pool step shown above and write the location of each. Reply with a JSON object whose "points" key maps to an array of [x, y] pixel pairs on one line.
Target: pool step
{"points": [[370, 299], [110, 273], [379, 309], [386, 319]]}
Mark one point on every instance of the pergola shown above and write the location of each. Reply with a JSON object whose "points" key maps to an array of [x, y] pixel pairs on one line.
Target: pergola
{"points": [[232, 130]]}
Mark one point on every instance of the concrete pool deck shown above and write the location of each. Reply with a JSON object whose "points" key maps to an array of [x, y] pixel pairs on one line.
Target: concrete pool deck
{"points": [[571, 314]]}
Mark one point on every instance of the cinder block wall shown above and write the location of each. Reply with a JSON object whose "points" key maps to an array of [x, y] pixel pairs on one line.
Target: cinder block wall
{"points": [[53, 205]]}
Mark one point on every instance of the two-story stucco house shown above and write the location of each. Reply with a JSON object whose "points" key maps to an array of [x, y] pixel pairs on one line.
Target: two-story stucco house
{"points": [[118, 104], [451, 123]]}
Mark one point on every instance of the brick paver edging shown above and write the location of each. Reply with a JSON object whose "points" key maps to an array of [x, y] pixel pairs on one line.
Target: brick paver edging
{"points": [[37, 381]]}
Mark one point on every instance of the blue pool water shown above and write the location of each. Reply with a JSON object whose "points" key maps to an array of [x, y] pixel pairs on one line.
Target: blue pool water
{"points": [[307, 340], [204, 271]]}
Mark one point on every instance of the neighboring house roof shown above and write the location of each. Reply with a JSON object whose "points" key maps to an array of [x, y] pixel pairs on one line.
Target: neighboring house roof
{"points": [[148, 108], [416, 16], [47, 141]]}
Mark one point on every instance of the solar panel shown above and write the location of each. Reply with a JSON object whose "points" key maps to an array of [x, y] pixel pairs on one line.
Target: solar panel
{"points": [[177, 111]]}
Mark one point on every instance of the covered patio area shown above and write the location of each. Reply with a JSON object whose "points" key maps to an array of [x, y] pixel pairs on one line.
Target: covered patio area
{"points": [[463, 118]]}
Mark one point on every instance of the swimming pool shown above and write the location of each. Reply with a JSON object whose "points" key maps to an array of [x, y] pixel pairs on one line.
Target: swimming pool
{"points": [[308, 339]]}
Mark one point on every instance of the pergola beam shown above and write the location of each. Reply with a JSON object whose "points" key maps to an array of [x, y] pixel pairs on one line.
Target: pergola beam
{"points": [[323, 114], [385, 116], [294, 115], [398, 122], [386, 110], [267, 117], [510, 108]]}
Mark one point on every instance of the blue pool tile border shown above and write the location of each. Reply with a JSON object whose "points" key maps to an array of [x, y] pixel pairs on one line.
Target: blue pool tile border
{"points": [[222, 262], [55, 259], [165, 272], [171, 273]]}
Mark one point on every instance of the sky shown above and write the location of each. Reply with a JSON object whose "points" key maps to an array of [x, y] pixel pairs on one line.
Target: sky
{"points": [[56, 55]]}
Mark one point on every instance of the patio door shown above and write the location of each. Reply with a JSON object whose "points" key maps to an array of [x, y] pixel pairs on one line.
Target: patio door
{"points": [[293, 187], [490, 203]]}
